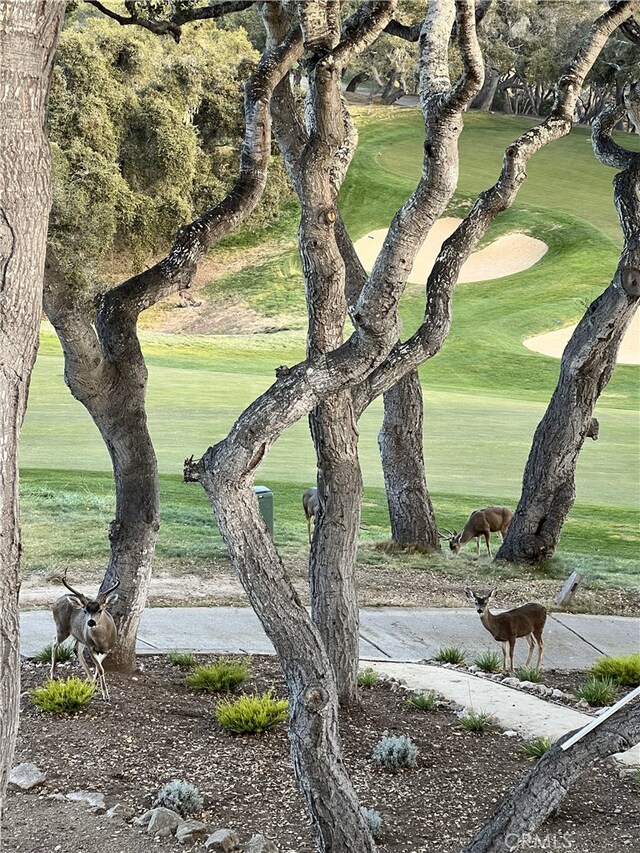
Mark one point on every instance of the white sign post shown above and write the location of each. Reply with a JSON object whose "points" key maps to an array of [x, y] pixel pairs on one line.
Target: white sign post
{"points": [[597, 720]]}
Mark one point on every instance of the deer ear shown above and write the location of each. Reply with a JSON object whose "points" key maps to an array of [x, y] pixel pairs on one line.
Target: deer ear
{"points": [[75, 602], [111, 599], [469, 593], [491, 594]]}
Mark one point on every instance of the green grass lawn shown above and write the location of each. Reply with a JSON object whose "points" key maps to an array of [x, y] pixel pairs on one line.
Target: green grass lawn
{"points": [[484, 393]]}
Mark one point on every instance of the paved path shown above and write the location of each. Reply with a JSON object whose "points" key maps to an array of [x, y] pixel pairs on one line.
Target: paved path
{"points": [[386, 633]]}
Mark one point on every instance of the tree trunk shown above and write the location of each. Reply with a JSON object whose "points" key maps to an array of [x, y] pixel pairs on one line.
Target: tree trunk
{"points": [[411, 512], [545, 786], [356, 80], [484, 99], [332, 563], [548, 488], [28, 35]]}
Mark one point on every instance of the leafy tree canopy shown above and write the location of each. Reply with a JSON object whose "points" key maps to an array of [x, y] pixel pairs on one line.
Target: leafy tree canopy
{"points": [[145, 135]]}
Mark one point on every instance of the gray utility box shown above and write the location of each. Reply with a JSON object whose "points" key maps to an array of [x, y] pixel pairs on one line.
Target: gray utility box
{"points": [[265, 503]]}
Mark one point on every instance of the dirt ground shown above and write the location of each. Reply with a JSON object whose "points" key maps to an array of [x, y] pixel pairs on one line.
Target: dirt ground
{"points": [[156, 729], [379, 585]]}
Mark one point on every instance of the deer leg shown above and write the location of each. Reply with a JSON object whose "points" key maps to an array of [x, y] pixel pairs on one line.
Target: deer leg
{"points": [[54, 651], [309, 528], [540, 649], [79, 649], [101, 677], [512, 645], [504, 656], [487, 536], [531, 644]]}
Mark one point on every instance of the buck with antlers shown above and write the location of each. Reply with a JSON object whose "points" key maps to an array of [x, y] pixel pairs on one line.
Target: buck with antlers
{"points": [[311, 505], [526, 621], [481, 522], [91, 626]]}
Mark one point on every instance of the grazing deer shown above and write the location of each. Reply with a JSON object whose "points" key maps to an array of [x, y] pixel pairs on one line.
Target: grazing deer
{"points": [[87, 621], [526, 621], [481, 522], [311, 505]]}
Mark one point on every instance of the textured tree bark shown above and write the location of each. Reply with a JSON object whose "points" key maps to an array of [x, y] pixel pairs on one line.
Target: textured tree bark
{"points": [[548, 487], [28, 36], [543, 789], [400, 441]]}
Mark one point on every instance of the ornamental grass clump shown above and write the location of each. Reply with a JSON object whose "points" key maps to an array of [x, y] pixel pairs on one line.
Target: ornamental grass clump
{"points": [[219, 677], [623, 669], [251, 714], [180, 797], [368, 677], [425, 701], [64, 653], [489, 662], [598, 691], [65, 696], [526, 673], [479, 722], [537, 746], [183, 659], [450, 654], [395, 753]]}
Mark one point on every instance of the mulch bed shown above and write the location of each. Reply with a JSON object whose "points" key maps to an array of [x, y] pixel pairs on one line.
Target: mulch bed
{"points": [[156, 729]]}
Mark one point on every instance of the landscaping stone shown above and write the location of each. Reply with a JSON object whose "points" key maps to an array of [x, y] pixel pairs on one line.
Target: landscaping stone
{"points": [[260, 844], [92, 798], [224, 840], [163, 822], [191, 830], [26, 776]]}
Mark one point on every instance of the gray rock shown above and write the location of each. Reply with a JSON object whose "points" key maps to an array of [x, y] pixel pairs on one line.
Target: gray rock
{"points": [[260, 844], [92, 798], [191, 830], [473, 668], [511, 682], [120, 811], [26, 776], [510, 733], [144, 819], [528, 685], [558, 694], [223, 839], [163, 822]]}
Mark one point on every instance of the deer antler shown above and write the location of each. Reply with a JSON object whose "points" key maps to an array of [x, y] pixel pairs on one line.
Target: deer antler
{"points": [[103, 595], [71, 589]]}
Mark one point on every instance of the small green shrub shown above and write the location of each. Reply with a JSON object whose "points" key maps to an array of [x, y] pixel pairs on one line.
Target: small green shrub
{"points": [[64, 653], [185, 659], [623, 669], [537, 746], [598, 691], [368, 677], [372, 819], [393, 753], [180, 797], [63, 697], [479, 722], [219, 677], [424, 701], [250, 715], [526, 673], [450, 654], [489, 662]]}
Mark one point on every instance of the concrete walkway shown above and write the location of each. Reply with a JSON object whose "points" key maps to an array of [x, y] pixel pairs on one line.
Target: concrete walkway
{"points": [[386, 633], [393, 641]]}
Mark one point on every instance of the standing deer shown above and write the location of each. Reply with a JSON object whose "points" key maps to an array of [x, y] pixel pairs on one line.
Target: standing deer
{"points": [[87, 621], [311, 505], [481, 522], [526, 621]]}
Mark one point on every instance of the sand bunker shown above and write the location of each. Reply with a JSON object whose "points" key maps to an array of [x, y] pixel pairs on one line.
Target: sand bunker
{"points": [[553, 343], [507, 255]]}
